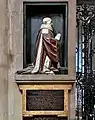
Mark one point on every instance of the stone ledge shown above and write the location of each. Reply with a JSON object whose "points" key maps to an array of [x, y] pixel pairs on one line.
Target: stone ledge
{"points": [[44, 78]]}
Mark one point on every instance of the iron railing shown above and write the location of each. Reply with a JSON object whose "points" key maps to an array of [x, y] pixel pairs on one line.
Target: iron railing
{"points": [[84, 62]]}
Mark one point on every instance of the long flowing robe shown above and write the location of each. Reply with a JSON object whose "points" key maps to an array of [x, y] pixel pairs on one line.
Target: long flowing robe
{"points": [[46, 54]]}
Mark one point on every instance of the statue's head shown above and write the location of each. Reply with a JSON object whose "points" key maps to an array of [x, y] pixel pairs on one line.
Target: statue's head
{"points": [[47, 20], [47, 23]]}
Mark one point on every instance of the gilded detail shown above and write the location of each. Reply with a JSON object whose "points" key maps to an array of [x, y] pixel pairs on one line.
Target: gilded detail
{"points": [[60, 112]]}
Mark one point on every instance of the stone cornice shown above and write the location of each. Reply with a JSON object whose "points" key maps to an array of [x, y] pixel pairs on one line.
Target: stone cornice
{"points": [[20, 79]]}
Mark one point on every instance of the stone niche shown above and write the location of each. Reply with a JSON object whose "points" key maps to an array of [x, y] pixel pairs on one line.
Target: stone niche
{"points": [[63, 20], [33, 21]]}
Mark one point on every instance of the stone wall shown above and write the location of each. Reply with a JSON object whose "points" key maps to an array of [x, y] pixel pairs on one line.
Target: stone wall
{"points": [[15, 12], [3, 61]]}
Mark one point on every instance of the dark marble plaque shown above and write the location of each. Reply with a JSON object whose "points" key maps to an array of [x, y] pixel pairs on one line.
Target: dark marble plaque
{"points": [[44, 100], [45, 118]]}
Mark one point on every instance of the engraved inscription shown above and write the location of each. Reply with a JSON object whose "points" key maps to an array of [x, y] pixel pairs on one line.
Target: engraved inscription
{"points": [[45, 118], [44, 100]]}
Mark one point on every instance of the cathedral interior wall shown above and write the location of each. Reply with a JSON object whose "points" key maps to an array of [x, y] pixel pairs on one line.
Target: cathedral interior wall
{"points": [[11, 56]]}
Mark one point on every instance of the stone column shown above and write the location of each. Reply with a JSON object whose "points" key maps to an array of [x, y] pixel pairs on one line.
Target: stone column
{"points": [[15, 38], [72, 103], [3, 61]]}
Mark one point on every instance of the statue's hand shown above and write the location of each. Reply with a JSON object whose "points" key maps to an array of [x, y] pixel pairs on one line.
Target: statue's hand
{"points": [[58, 36]]}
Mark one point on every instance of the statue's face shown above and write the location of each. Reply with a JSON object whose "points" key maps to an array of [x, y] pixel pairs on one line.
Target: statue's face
{"points": [[48, 22]]}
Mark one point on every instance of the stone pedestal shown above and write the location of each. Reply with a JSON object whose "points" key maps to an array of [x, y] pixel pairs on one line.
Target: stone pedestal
{"points": [[48, 82]]}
